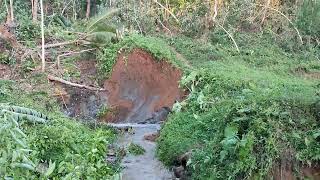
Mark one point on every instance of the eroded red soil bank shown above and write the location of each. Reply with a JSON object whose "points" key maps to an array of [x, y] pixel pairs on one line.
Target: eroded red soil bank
{"points": [[139, 86]]}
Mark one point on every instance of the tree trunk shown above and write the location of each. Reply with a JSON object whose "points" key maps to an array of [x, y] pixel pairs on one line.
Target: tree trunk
{"points": [[95, 11], [35, 11], [88, 9], [11, 11], [209, 17], [42, 37]]}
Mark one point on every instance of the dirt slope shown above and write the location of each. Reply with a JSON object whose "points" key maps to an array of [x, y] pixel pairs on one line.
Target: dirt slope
{"points": [[140, 85]]}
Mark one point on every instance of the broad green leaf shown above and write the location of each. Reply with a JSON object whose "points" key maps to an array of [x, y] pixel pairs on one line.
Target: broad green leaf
{"points": [[50, 170], [23, 165], [230, 131]]}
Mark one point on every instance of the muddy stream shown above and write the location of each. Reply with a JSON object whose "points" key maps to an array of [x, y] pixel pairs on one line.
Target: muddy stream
{"points": [[140, 94]]}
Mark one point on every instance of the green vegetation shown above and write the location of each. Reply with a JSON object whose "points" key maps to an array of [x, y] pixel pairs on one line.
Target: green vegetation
{"points": [[6, 59], [308, 15], [252, 74], [104, 110], [58, 148], [245, 112], [156, 46], [136, 149]]}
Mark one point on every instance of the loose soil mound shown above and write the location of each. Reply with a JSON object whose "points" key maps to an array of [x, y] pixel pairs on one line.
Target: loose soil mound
{"points": [[139, 86], [4, 71]]}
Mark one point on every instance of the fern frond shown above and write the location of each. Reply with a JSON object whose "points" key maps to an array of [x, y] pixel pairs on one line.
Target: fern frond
{"points": [[32, 118]]}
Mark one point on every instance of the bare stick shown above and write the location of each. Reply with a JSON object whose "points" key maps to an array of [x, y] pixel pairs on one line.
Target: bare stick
{"points": [[53, 78], [234, 42], [164, 26]]}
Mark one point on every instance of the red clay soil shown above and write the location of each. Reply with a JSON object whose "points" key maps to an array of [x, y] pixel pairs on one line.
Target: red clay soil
{"points": [[139, 86]]}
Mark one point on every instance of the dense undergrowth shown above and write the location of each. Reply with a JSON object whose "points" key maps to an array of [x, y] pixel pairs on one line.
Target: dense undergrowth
{"points": [[247, 112], [59, 149]]}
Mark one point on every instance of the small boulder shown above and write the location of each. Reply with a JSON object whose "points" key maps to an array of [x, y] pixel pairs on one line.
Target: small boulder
{"points": [[151, 137]]}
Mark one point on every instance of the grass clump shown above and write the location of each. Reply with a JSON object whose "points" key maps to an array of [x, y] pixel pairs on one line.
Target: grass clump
{"points": [[103, 111], [244, 115], [155, 46], [60, 148], [136, 149]]}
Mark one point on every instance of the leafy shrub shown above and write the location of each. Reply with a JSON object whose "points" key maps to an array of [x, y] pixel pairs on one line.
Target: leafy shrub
{"points": [[5, 58], [308, 18], [16, 156], [28, 31], [245, 112], [104, 110], [60, 148], [27, 65], [78, 151]]}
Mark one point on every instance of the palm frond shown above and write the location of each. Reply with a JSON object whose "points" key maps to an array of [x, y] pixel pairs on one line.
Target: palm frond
{"points": [[19, 113], [101, 38], [94, 21], [104, 26]]}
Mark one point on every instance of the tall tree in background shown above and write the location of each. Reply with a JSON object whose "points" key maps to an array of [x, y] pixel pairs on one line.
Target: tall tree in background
{"points": [[10, 16], [88, 9], [34, 4], [42, 38]]}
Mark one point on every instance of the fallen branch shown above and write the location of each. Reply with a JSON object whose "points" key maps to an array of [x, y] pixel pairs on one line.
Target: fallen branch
{"points": [[53, 78], [59, 44]]}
